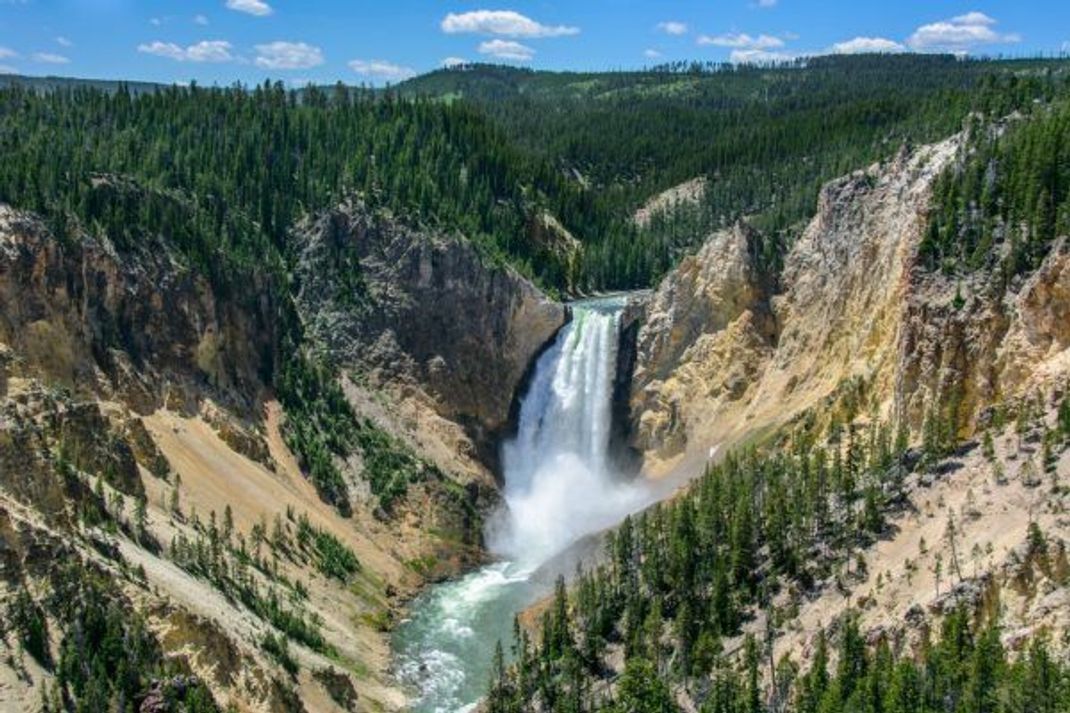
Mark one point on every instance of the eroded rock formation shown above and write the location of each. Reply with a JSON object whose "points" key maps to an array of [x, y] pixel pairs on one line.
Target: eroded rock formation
{"points": [[722, 358], [140, 328], [422, 308], [137, 416]]}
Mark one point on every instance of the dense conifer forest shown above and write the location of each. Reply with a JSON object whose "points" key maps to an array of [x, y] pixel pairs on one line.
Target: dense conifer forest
{"points": [[765, 137], [1007, 200], [678, 582], [222, 174]]}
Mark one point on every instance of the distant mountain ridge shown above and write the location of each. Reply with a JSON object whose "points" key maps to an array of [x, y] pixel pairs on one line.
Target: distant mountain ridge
{"points": [[52, 83]]}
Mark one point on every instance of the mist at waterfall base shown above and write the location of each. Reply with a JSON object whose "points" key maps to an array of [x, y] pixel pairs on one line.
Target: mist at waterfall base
{"points": [[559, 487]]}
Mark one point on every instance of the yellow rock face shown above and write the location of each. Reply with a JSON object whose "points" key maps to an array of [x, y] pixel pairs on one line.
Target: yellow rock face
{"points": [[723, 357]]}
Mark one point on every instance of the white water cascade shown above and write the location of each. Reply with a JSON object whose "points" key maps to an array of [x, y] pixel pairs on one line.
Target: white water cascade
{"points": [[559, 484], [559, 487]]}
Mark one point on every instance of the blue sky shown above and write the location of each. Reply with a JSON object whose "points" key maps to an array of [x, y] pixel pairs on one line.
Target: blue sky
{"points": [[376, 41]]}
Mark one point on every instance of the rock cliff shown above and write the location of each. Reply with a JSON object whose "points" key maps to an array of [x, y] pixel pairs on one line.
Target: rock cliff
{"points": [[723, 357], [414, 307], [140, 328], [138, 424], [712, 315]]}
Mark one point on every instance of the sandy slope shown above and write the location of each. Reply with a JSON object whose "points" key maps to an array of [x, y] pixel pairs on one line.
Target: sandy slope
{"points": [[990, 519], [213, 476]]}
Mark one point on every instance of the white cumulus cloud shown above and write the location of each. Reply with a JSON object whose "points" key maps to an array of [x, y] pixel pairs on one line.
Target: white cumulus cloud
{"points": [[250, 7], [7, 53], [200, 20], [206, 51], [381, 69], [741, 40], [64, 42], [288, 55], [672, 27], [862, 45], [974, 18], [507, 49], [651, 54], [454, 62], [959, 34], [50, 58], [506, 23]]}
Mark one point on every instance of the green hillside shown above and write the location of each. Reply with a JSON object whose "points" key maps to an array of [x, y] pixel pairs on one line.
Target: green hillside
{"points": [[485, 150], [766, 137]]}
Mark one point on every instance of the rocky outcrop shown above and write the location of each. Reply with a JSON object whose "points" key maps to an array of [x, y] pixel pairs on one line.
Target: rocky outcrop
{"points": [[165, 695], [413, 306], [711, 316], [553, 244], [707, 292], [140, 328], [687, 194], [1040, 335], [45, 436], [721, 358], [626, 457], [964, 341]]}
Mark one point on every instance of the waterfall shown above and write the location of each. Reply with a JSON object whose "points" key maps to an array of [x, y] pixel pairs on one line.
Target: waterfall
{"points": [[559, 486], [558, 481]]}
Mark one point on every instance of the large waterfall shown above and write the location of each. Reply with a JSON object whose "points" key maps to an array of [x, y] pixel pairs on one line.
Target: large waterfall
{"points": [[559, 486], [558, 483]]}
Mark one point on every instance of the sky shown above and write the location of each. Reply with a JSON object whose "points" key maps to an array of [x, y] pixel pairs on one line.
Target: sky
{"points": [[385, 41]]}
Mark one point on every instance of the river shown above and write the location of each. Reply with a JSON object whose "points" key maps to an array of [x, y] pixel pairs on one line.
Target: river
{"points": [[559, 486]]}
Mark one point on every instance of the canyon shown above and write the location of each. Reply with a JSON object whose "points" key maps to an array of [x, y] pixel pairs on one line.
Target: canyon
{"points": [[127, 377]]}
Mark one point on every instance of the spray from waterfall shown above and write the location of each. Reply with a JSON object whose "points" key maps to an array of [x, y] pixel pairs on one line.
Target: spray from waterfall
{"points": [[559, 486], [559, 481]]}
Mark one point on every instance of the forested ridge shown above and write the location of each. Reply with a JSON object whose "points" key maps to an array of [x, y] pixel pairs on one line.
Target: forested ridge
{"points": [[665, 609], [224, 173], [1006, 200], [767, 138]]}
